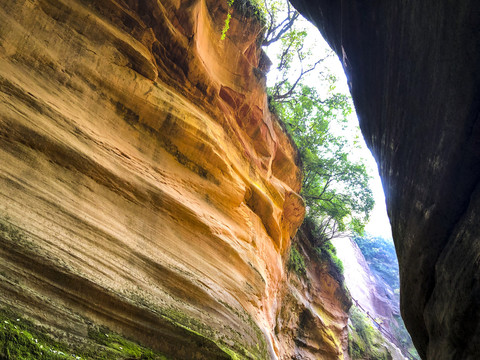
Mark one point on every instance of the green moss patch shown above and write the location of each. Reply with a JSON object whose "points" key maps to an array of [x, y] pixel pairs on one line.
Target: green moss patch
{"points": [[296, 262], [364, 341], [21, 339]]}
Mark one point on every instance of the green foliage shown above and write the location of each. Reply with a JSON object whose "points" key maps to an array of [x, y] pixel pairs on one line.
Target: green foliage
{"points": [[21, 339], [250, 9], [338, 264], [296, 262], [381, 257], [226, 26], [364, 341], [363, 328], [246, 8], [335, 187], [327, 252]]}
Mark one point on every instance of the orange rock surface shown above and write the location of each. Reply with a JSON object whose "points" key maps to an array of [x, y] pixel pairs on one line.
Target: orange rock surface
{"points": [[144, 184], [312, 321]]}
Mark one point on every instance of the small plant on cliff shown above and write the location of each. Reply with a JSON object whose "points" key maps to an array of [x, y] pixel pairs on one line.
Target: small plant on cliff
{"points": [[245, 8], [327, 252], [296, 262], [226, 26]]}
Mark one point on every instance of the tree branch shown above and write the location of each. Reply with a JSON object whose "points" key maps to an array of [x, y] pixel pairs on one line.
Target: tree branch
{"points": [[302, 73]]}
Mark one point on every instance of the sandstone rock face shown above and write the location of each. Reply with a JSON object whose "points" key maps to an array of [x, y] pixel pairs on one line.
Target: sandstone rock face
{"points": [[412, 68], [146, 187], [144, 184], [312, 323]]}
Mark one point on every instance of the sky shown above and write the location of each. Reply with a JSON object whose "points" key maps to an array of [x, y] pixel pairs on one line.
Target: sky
{"points": [[379, 224]]}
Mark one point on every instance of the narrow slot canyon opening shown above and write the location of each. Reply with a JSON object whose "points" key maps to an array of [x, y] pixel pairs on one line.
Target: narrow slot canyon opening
{"points": [[308, 91]]}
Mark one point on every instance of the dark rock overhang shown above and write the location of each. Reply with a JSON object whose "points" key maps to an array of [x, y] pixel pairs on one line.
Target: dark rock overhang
{"points": [[414, 72]]}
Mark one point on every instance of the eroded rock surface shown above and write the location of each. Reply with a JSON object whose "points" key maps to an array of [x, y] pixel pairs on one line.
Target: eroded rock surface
{"points": [[362, 284], [313, 317], [413, 72], [144, 184]]}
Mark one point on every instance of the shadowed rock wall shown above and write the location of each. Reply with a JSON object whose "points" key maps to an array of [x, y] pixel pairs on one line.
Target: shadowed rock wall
{"points": [[412, 68]]}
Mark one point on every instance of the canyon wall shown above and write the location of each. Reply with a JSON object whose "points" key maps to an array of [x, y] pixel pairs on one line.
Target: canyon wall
{"points": [[412, 67], [373, 295], [313, 318], [146, 187]]}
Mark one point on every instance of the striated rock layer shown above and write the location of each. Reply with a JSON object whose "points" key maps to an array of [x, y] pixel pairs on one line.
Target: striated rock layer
{"points": [[144, 185], [312, 322], [413, 72]]}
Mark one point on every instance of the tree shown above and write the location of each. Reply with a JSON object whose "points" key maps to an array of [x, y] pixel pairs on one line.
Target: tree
{"points": [[296, 58], [335, 186], [276, 29]]}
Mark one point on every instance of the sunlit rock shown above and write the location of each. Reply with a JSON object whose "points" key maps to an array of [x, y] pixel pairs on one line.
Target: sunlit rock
{"points": [[146, 187]]}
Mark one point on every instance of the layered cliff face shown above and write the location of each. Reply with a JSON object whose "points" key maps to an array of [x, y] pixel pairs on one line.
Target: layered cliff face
{"points": [[412, 68], [374, 296], [362, 284], [312, 322], [145, 186]]}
